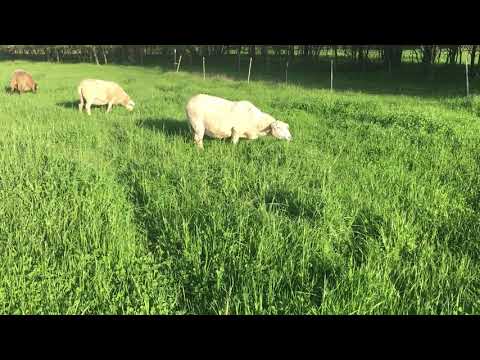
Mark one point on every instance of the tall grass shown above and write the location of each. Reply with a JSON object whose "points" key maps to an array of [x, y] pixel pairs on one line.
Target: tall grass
{"points": [[372, 209]]}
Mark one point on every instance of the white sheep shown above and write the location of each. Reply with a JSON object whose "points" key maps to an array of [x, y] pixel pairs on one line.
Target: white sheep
{"points": [[99, 92], [220, 118]]}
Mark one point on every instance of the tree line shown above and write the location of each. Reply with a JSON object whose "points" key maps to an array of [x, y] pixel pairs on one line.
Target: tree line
{"points": [[390, 57]]}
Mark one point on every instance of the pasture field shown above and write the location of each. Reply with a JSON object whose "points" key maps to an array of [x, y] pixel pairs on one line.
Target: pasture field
{"points": [[374, 207]]}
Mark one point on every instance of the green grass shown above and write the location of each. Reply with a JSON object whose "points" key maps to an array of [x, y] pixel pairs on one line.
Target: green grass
{"points": [[372, 209]]}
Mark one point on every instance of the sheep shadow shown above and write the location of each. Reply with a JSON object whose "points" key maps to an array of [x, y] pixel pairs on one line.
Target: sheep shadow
{"points": [[167, 126], [69, 104], [9, 91]]}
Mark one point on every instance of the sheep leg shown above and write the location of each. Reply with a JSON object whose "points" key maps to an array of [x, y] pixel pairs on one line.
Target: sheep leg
{"points": [[80, 106], [109, 107], [199, 140], [235, 136], [198, 134], [252, 136], [88, 107]]}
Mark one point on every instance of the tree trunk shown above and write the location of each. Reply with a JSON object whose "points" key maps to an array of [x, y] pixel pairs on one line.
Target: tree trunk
{"points": [[252, 51], [354, 53], [387, 59], [452, 55], [124, 53], [140, 53], [239, 52], [291, 52], [427, 60], [364, 59], [361, 58], [104, 56], [335, 56], [94, 51], [392, 57], [434, 54], [265, 56], [472, 60], [306, 50]]}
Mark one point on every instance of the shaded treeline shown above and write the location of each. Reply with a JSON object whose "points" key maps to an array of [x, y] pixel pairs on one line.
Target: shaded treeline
{"points": [[364, 56]]}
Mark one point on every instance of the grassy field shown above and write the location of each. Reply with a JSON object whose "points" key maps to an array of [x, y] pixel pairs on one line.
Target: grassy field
{"points": [[374, 207]]}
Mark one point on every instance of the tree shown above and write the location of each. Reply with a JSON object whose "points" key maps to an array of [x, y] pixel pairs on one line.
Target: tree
{"points": [[473, 54], [427, 59], [392, 57], [94, 51], [252, 51], [452, 54], [265, 56]]}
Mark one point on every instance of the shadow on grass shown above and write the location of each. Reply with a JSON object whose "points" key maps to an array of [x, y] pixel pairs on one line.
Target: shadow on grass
{"points": [[9, 91], [173, 128], [409, 80], [169, 127], [290, 205], [69, 104]]}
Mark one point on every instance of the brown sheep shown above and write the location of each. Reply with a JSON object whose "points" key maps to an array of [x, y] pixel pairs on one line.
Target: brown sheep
{"points": [[22, 81]]}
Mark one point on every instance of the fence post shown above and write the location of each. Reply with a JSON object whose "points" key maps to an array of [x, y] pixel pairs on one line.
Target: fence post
{"points": [[204, 68], [286, 73], [238, 61], [466, 77], [331, 75], [249, 69], [179, 62]]}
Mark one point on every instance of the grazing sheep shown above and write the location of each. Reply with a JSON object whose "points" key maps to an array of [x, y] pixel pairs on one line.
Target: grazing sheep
{"points": [[220, 118], [99, 92], [22, 82]]}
